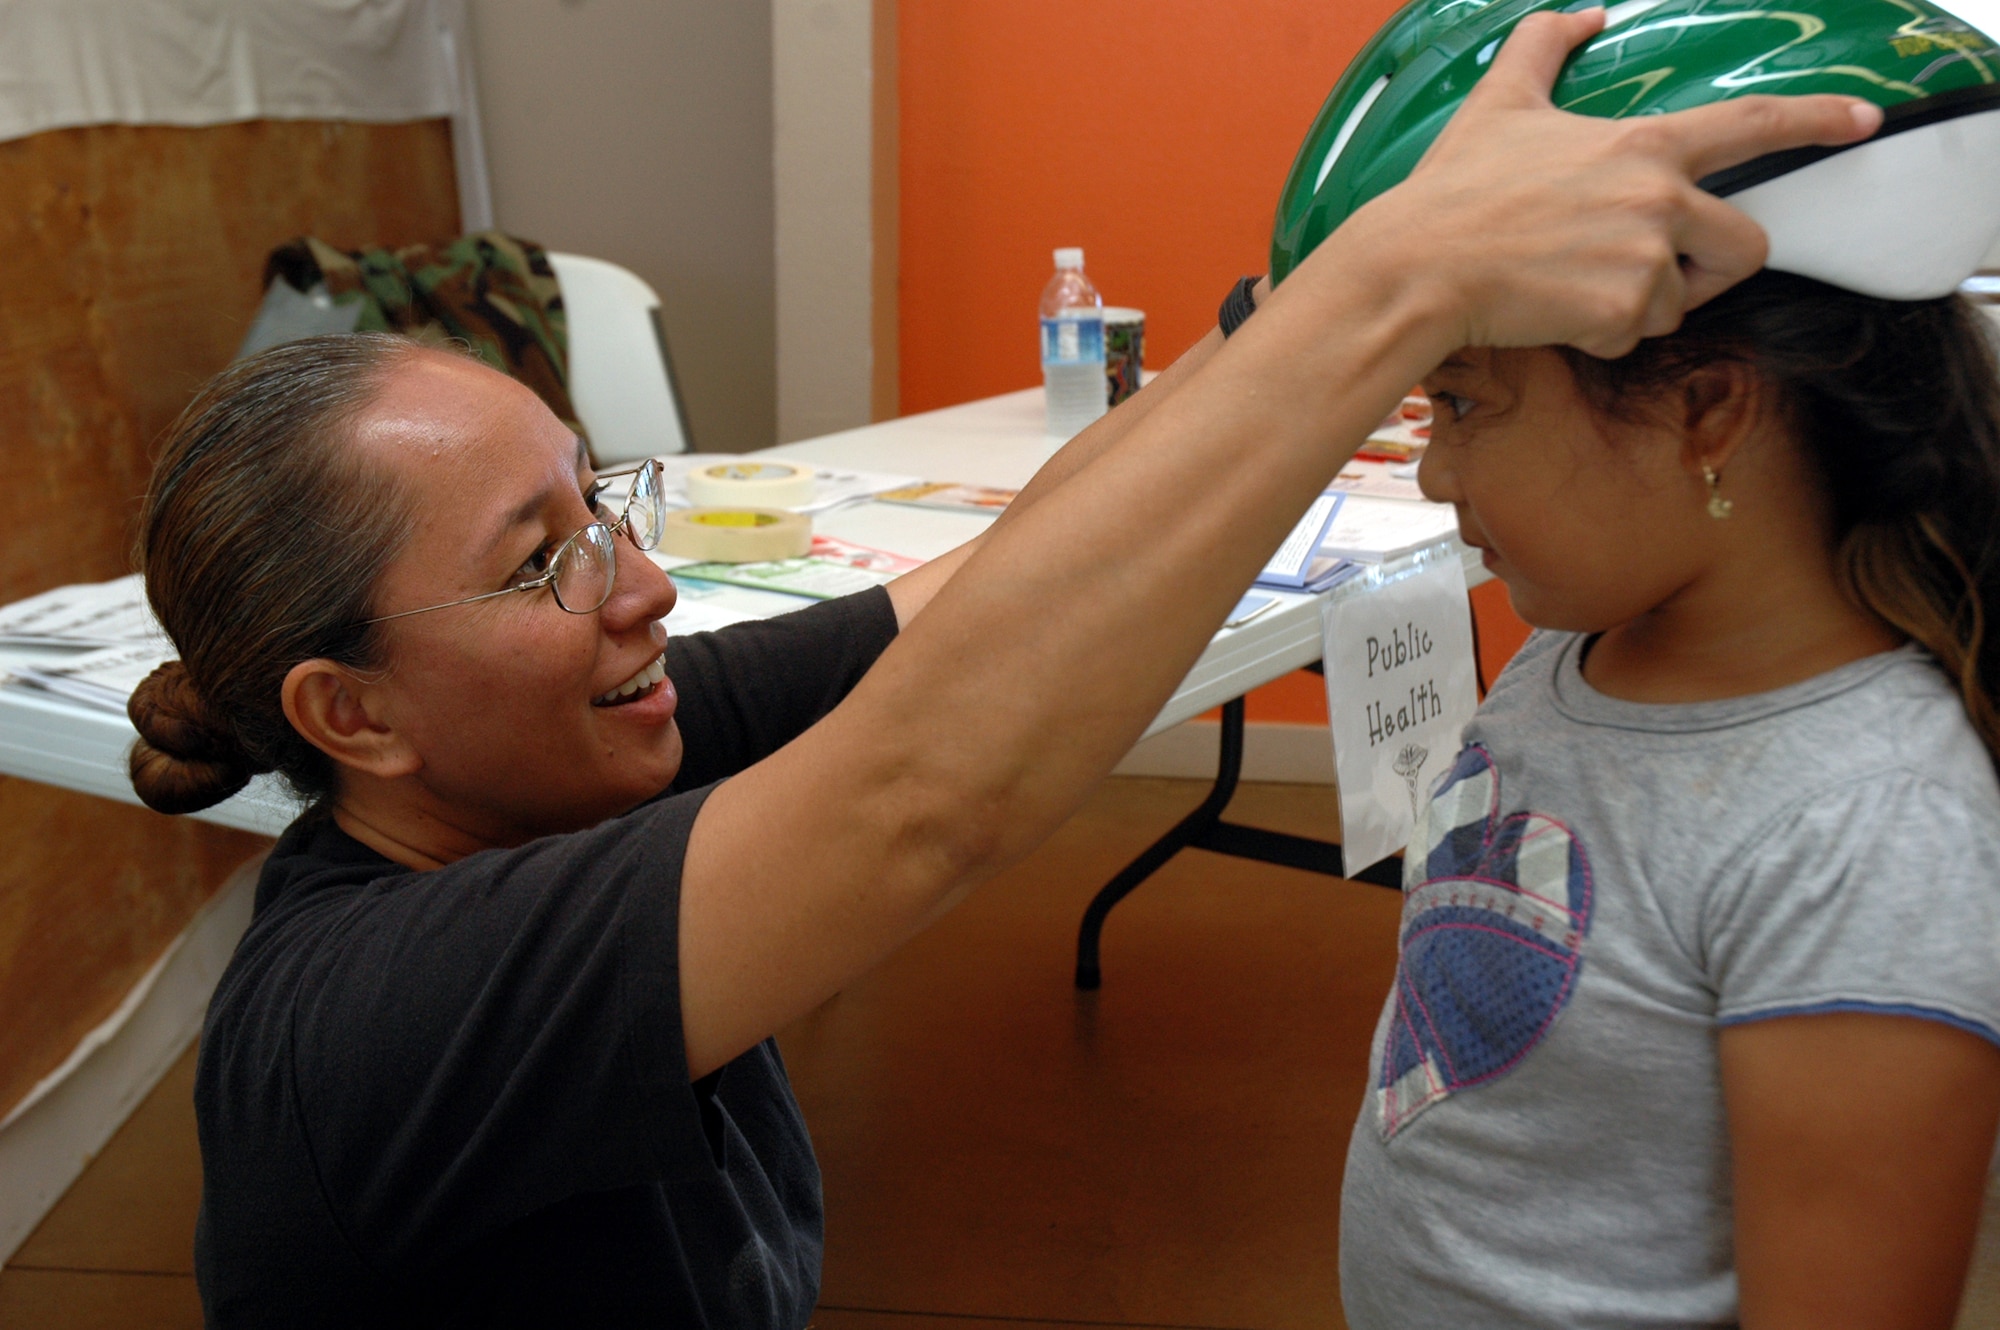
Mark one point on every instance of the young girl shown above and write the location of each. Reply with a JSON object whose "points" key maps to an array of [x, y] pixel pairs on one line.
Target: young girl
{"points": [[1697, 1019]]}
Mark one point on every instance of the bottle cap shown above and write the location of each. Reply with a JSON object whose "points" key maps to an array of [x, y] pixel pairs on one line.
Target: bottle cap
{"points": [[1071, 257]]}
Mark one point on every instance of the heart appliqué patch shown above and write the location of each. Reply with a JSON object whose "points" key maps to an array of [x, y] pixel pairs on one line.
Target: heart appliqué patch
{"points": [[1495, 912]]}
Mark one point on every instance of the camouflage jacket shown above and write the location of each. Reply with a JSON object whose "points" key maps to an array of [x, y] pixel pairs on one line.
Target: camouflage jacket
{"points": [[492, 291]]}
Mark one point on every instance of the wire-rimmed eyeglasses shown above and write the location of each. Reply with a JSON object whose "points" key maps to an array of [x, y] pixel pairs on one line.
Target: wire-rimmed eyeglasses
{"points": [[584, 568]]}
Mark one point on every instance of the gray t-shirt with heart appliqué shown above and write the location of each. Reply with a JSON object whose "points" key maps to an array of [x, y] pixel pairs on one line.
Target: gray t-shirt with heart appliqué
{"points": [[1596, 888]]}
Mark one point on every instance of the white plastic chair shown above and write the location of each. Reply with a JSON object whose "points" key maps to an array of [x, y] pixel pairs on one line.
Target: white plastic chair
{"points": [[620, 375]]}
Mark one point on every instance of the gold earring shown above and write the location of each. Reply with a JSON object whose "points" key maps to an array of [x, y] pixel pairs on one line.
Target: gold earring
{"points": [[1718, 507]]}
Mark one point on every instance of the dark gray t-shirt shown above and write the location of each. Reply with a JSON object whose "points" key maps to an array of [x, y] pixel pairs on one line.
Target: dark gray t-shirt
{"points": [[1595, 888], [459, 1097]]}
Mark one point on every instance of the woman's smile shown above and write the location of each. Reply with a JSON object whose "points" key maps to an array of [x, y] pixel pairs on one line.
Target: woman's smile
{"points": [[647, 696], [645, 677]]}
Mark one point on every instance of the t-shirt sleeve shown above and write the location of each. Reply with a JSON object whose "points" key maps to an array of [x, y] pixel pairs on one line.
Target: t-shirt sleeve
{"points": [[751, 688], [475, 1042], [1881, 895]]}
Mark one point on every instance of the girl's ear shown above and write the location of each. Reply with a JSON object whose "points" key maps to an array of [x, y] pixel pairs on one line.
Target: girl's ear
{"points": [[1721, 405]]}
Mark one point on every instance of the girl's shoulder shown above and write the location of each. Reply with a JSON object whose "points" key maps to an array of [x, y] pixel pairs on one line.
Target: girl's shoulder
{"points": [[1877, 757], [1834, 841], [1876, 888], [1890, 720], [1893, 710], [1539, 653]]}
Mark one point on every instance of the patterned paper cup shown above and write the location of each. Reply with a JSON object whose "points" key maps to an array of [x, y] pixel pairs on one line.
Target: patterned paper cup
{"points": [[1124, 351]]}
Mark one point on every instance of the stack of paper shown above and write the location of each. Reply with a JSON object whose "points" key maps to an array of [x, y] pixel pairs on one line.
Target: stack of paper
{"points": [[1404, 435], [814, 579], [1343, 532], [88, 614], [1377, 530], [834, 568], [701, 607], [1302, 563], [103, 679], [1379, 480], [91, 643]]}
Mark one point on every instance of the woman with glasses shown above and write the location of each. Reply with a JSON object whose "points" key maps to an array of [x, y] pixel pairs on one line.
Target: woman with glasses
{"points": [[496, 1047]]}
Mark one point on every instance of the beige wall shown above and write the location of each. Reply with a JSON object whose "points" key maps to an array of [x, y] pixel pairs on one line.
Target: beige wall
{"points": [[640, 131], [834, 162], [823, 106]]}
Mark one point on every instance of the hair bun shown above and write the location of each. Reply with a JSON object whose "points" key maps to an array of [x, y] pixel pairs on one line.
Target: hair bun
{"points": [[183, 761]]}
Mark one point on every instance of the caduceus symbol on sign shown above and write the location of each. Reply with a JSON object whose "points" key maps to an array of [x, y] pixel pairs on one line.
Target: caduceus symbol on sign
{"points": [[1408, 763]]}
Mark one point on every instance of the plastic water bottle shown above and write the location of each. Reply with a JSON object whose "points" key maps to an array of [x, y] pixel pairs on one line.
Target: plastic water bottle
{"points": [[1072, 347]]}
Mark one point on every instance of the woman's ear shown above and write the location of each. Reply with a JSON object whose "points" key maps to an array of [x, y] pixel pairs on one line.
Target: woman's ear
{"points": [[340, 713], [1721, 405]]}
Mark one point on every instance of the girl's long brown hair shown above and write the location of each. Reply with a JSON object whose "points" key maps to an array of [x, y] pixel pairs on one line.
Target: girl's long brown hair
{"points": [[1898, 405]]}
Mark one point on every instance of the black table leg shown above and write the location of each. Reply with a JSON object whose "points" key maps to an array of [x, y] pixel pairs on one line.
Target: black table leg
{"points": [[1204, 829]]}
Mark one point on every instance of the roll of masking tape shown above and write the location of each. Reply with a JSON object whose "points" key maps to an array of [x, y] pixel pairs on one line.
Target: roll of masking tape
{"points": [[736, 535], [746, 484]]}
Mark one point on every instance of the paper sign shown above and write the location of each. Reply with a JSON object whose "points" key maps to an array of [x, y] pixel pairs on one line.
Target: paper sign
{"points": [[1400, 688]]}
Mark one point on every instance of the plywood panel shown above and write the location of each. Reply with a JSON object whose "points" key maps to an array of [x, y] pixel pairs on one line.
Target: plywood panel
{"points": [[90, 893], [129, 266]]}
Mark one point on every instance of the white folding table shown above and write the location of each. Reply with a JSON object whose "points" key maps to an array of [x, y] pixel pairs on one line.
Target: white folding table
{"points": [[997, 441]]}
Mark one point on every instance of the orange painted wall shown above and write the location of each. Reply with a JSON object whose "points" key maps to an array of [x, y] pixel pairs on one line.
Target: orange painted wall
{"points": [[1167, 175], [1501, 631]]}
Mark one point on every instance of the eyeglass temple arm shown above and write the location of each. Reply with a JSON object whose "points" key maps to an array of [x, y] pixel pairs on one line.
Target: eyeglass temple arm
{"points": [[631, 470], [546, 579], [535, 585]]}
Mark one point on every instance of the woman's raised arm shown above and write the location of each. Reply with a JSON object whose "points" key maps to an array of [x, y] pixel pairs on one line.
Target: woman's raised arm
{"points": [[1037, 665]]}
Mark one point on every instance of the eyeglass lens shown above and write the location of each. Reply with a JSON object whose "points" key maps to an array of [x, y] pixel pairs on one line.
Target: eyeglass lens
{"points": [[587, 564], [585, 567], [645, 515]]}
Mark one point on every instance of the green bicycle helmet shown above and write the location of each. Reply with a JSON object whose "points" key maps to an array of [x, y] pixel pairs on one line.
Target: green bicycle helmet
{"points": [[1905, 215]]}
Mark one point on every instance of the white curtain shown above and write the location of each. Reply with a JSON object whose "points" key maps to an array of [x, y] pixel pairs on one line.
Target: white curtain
{"points": [[65, 63]]}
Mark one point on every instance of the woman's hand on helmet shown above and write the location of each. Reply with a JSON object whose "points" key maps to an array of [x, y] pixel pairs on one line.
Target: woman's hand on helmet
{"points": [[1538, 226]]}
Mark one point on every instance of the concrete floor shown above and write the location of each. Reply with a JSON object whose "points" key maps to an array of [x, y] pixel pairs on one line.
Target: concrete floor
{"points": [[998, 1149]]}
